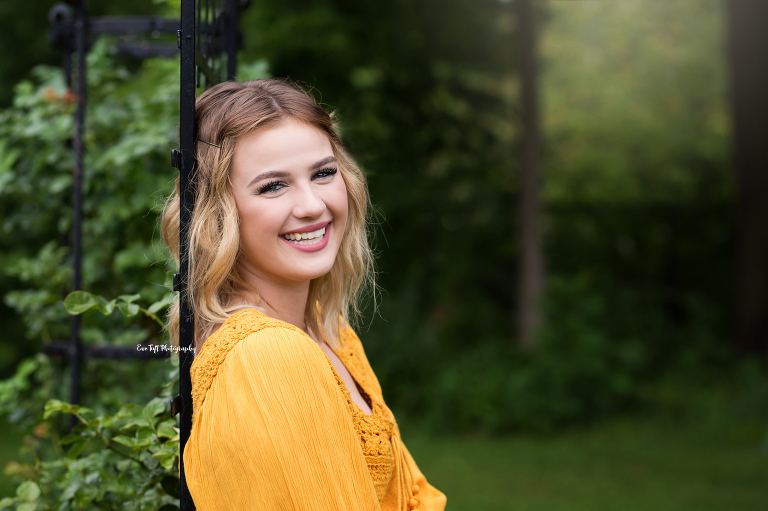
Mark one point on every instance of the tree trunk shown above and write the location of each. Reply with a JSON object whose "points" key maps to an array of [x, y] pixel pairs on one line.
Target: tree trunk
{"points": [[531, 256], [748, 48]]}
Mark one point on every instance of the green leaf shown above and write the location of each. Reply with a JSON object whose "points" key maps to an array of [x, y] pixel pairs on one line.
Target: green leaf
{"points": [[106, 307], [53, 406], [129, 410], [167, 463], [79, 302], [125, 440], [69, 491], [136, 422], [106, 421], [70, 439], [165, 431], [79, 409], [128, 298], [164, 453], [145, 433], [123, 465], [76, 449], [164, 302], [27, 506], [154, 408], [7, 502], [28, 491], [128, 309]]}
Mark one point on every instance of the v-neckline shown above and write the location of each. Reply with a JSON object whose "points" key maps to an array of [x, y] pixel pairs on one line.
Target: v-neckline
{"points": [[336, 352]]}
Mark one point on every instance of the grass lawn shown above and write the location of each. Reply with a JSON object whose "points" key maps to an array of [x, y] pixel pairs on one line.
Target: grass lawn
{"points": [[640, 464], [652, 464]]}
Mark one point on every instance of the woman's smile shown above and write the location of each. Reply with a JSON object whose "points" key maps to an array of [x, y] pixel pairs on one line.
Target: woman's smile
{"points": [[308, 240]]}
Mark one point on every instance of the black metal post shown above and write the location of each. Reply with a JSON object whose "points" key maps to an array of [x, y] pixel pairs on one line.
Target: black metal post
{"points": [[231, 39], [77, 199], [187, 198]]}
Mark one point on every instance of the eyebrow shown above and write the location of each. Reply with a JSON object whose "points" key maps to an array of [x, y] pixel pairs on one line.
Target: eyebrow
{"points": [[282, 173]]}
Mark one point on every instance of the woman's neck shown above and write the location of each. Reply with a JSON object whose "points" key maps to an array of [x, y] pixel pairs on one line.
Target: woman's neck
{"points": [[285, 301]]}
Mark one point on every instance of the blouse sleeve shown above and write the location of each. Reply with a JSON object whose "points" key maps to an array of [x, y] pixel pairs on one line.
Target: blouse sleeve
{"points": [[432, 498], [274, 432]]}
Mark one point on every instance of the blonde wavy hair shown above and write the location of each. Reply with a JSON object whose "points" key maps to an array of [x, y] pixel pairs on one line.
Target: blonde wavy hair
{"points": [[223, 115]]}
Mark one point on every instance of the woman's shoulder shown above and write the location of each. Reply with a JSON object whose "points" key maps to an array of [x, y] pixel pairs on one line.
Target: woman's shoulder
{"points": [[253, 335], [353, 354]]}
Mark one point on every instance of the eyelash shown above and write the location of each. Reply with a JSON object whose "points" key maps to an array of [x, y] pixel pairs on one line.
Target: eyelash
{"points": [[269, 187]]}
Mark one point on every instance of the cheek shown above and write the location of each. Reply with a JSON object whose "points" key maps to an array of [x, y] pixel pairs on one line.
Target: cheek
{"points": [[338, 203], [257, 223]]}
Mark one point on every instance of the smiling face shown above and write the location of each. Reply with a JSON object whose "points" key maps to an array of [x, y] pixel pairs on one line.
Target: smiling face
{"points": [[286, 184]]}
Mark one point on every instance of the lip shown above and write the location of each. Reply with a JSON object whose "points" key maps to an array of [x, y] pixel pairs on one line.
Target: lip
{"points": [[317, 246], [307, 228]]}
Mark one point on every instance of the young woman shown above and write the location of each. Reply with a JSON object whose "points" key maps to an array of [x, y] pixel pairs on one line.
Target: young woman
{"points": [[288, 414]]}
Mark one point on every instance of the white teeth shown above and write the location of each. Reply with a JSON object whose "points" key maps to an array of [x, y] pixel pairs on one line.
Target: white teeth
{"points": [[304, 238]]}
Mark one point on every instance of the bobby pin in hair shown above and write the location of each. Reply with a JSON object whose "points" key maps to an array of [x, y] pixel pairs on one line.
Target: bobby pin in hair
{"points": [[204, 142]]}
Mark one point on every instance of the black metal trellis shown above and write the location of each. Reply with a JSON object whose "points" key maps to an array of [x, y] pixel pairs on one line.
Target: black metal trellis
{"points": [[69, 32], [205, 33]]}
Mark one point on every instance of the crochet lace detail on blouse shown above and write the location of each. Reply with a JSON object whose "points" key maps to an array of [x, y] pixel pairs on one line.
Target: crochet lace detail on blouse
{"points": [[374, 430]]}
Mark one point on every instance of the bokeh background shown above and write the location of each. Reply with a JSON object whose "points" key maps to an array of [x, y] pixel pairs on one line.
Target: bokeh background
{"points": [[643, 384]]}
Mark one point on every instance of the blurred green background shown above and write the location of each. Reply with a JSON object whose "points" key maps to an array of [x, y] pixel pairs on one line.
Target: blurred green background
{"points": [[644, 390]]}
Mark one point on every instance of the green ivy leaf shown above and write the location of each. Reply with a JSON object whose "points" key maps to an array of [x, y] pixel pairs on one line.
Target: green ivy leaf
{"points": [[128, 298]]}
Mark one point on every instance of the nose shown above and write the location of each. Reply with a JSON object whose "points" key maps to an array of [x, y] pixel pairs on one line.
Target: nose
{"points": [[308, 203]]}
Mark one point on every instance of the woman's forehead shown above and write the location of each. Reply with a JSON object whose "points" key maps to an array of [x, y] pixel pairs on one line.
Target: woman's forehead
{"points": [[289, 146]]}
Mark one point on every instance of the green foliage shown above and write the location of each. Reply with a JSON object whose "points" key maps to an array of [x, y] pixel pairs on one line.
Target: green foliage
{"points": [[125, 460], [126, 175], [113, 460], [79, 302]]}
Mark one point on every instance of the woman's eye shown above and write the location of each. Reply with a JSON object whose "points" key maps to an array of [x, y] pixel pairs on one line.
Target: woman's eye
{"points": [[271, 187], [322, 173]]}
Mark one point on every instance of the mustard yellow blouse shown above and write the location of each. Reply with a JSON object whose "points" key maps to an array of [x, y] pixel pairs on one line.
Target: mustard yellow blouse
{"points": [[274, 427]]}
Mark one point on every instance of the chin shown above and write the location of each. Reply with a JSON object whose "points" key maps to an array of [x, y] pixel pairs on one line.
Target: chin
{"points": [[312, 273]]}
